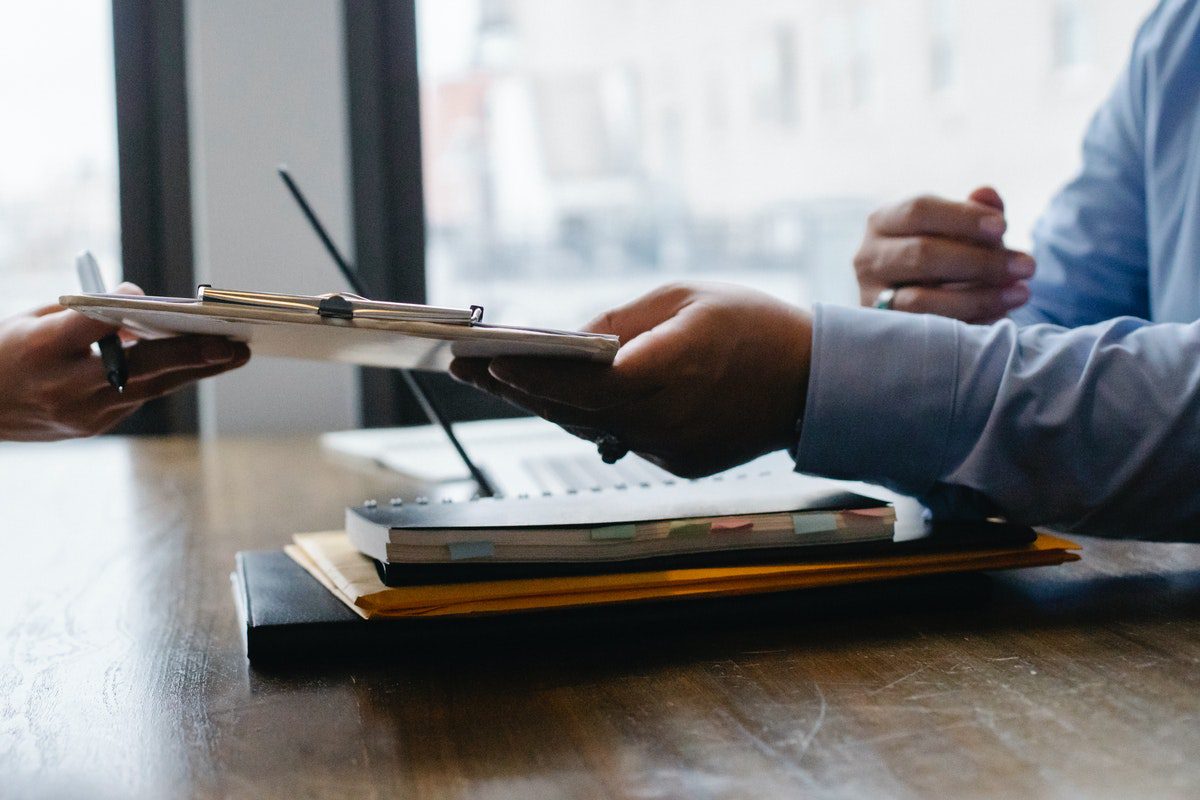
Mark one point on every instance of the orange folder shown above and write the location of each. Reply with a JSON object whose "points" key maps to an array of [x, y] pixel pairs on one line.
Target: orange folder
{"points": [[333, 560]]}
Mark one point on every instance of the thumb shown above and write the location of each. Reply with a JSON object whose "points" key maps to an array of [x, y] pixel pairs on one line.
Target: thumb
{"points": [[647, 328], [129, 288], [988, 197], [642, 314]]}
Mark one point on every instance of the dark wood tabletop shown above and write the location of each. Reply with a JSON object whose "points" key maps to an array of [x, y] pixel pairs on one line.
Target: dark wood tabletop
{"points": [[122, 673]]}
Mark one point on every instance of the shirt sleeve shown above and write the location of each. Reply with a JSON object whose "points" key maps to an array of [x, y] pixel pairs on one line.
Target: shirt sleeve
{"points": [[1090, 244], [1094, 429]]}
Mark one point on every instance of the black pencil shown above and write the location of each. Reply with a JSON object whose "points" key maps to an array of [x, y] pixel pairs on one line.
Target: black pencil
{"points": [[424, 399]]}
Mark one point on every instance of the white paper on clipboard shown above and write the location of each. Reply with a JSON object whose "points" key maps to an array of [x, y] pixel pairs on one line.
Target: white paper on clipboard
{"points": [[401, 344]]}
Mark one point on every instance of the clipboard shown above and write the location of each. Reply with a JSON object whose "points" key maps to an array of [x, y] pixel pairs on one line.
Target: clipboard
{"points": [[340, 327]]}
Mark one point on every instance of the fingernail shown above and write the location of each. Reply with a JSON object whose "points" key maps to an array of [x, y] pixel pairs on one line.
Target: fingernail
{"points": [[993, 226], [217, 351], [1015, 295], [1021, 266]]}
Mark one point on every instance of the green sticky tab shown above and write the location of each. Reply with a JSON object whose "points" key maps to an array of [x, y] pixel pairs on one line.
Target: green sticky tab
{"points": [[687, 527], [814, 523], [462, 551], [614, 532]]}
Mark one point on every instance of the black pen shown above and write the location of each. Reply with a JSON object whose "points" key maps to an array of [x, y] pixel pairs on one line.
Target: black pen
{"points": [[112, 352]]}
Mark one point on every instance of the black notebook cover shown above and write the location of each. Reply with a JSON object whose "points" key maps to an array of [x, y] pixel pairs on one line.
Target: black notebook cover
{"points": [[282, 609]]}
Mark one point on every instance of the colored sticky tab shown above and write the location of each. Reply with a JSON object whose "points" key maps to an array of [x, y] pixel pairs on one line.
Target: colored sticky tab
{"points": [[732, 525], [814, 523], [461, 551], [687, 527], [614, 532], [875, 513]]}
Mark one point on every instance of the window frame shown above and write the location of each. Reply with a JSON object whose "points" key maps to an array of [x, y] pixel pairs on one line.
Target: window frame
{"points": [[154, 177]]}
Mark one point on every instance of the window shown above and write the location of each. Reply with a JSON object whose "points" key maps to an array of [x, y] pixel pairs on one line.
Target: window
{"points": [[58, 152], [579, 152]]}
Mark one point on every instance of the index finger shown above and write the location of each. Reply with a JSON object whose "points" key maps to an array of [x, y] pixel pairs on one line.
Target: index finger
{"points": [[590, 387], [935, 216], [475, 372]]}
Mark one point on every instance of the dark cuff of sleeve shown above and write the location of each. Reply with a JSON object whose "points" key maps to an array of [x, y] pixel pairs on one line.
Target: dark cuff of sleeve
{"points": [[881, 397]]}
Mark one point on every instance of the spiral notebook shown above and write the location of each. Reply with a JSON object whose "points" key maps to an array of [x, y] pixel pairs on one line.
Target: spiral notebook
{"points": [[734, 518]]}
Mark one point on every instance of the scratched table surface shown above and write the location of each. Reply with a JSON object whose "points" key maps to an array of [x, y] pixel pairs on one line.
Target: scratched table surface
{"points": [[122, 673]]}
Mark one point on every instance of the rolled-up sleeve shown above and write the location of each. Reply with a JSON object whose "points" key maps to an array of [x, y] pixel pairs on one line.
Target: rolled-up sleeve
{"points": [[1095, 429]]}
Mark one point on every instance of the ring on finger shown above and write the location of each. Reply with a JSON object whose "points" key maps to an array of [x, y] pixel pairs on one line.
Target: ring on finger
{"points": [[885, 299]]}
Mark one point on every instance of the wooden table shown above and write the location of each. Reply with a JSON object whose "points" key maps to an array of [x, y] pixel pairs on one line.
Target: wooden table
{"points": [[122, 673]]}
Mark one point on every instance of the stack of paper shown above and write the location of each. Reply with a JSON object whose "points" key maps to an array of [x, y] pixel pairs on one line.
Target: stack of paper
{"points": [[333, 560]]}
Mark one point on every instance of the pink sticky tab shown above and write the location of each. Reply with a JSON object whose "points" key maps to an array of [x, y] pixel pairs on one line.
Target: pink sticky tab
{"points": [[731, 525], [882, 511]]}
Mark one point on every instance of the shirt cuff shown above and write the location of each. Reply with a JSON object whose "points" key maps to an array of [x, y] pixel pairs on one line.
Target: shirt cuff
{"points": [[881, 397]]}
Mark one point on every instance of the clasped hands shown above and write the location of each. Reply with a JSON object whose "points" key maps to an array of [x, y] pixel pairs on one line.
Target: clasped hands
{"points": [[944, 257]]}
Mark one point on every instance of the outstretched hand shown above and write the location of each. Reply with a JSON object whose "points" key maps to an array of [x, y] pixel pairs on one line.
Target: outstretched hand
{"points": [[708, 376], [52, 386]]}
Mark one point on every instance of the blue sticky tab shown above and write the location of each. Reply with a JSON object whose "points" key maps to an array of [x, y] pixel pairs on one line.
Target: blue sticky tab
{"points": [[814, 523], [461, 551], [614, 532]]}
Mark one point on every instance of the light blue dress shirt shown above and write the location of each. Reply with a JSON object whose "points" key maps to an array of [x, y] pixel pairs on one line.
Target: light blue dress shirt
{"points": [[1083, 411]]}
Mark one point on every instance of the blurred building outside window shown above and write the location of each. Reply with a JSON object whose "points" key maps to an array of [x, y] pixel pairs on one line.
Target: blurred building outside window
{"points": [[581, 151], [58, 152], [775, 70]]}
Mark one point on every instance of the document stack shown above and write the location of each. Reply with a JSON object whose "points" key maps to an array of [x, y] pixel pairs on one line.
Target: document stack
{"points": [[732, 535]]}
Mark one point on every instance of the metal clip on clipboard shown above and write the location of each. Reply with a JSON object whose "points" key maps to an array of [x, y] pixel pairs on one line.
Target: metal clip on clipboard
{"points": [[342, 305], [335, 307]]}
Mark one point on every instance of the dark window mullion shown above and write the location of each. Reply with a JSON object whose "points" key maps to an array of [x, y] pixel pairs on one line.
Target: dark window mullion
{"points": [[389, 209], [153, 166]]}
